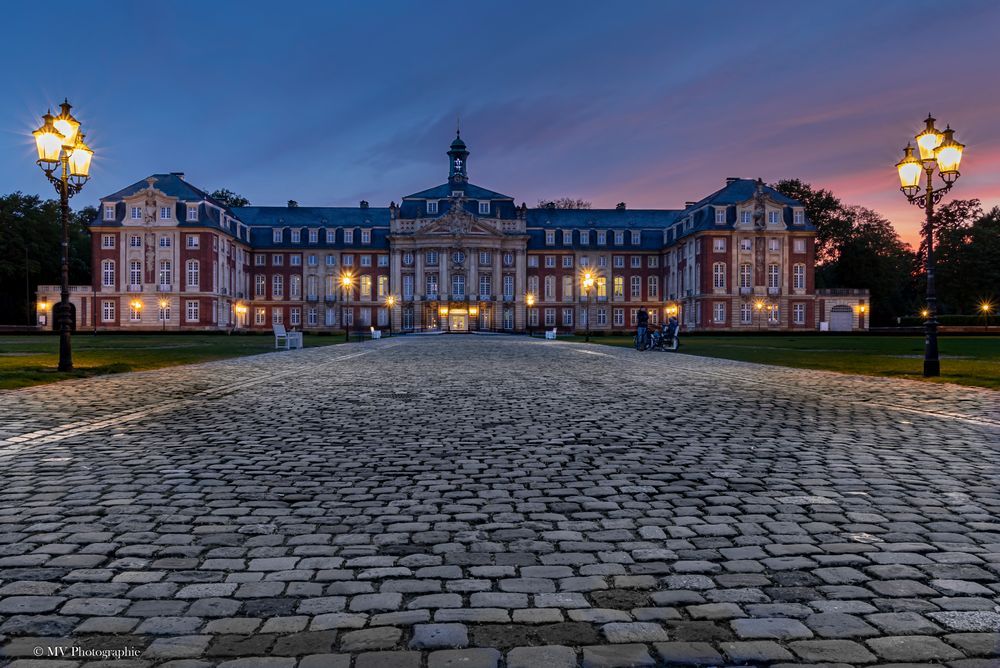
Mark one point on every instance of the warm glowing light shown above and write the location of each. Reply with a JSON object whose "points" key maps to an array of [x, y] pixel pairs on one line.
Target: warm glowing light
{"points": [[929, 139], [346, 280], [759, 305], [164, 303], [530, 299], [986, 307], [390, 301], [43, 305], [909, 171], [48, 141], [473, 310], [79, 158], [925, 313], [443, 311], [862, 308], [588, 281], [136, 304], [67, 125], [949, 156]]}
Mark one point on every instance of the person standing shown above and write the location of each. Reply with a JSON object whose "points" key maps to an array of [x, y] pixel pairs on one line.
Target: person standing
{"points": [[642, 320], [673, 333]]}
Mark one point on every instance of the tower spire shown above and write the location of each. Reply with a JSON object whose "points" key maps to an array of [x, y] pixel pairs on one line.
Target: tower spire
{"points": [[458, 156]]}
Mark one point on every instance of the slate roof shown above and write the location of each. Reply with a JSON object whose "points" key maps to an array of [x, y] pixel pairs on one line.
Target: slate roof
{"points": [[471, 191], [171, 185], [313, 216]]}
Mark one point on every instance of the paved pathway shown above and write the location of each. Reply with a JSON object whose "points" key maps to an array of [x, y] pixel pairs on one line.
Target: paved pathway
{"points": [[476, 502]]}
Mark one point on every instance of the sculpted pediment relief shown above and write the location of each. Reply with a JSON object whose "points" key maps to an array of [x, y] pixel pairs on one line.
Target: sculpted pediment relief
{"points": [[458, 223]]}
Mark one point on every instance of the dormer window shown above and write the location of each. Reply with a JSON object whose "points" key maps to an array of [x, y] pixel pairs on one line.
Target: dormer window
{"points": [[192, 212], [602, 238], [619, 238], [432, 207], [136, 213], [296, 236], [567, 237], [772, 217], [720, 216], [313, 236], [330, 236], [584, 237], [109, 212], [550, 237], [745, 217], [165, 213], [636, 236], [456, 193], [276, 236], [348, 236], [484, 208], [366, 236], [799, 217]]}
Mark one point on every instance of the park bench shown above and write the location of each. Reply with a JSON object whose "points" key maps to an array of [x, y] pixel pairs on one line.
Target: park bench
{"points": [[285, 340], [550, 333]]}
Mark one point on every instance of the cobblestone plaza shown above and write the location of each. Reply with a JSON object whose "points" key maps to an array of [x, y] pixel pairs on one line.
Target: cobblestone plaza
{"points": [[490, 501]]}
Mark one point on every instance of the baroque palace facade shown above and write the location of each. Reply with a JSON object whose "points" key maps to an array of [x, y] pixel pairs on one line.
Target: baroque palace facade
{"points": [[456, 257]]}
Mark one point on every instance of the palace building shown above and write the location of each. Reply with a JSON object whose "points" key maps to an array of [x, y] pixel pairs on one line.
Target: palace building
{"points": [[455, 258]]}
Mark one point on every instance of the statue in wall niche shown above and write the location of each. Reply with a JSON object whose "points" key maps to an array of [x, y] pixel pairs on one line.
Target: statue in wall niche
{"points": [[758, 206]]}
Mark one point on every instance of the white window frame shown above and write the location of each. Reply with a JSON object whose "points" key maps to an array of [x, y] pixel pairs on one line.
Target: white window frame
{"points": [[136, 213], [108, 310], [109, 212], [107, 241], [432, 207], [636, 237], [277, 235], [108, 273], [484, 208], [192, 310], [720, 216], [366, 236], [165, 213], [719, 275], [799, 313], [719, 313], [192, 213]]}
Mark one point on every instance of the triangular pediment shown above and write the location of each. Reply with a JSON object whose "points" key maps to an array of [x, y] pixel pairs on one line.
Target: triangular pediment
{"points": [[458, 222]]}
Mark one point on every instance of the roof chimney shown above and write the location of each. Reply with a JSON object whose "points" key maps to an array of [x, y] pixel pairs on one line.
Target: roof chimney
{"points": [[732, 179], [688, 204], [620, 206], [364, 204], [179, 175]]}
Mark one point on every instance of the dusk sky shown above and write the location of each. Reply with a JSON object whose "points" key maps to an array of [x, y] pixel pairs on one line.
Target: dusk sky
{"points": [[651, 103]]}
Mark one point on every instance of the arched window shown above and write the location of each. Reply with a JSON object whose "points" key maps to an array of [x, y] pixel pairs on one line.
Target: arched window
{"points": [[719, 275], [193, 274]]}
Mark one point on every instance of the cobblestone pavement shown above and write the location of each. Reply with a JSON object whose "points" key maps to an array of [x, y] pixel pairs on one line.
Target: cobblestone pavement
{"points": [[488, 502]]}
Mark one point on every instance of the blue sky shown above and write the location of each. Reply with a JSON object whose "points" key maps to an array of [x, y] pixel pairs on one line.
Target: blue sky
{"points": [[652, 103]]}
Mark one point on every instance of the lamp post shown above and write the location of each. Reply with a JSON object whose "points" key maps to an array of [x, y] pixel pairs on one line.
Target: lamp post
{"points": [[390, 301], [136, 305], [986, 307], [759, 306], [937, 149], [241, 311], [60, 144], [347, 280], [163, 312], [588, 284], [530, 300]]}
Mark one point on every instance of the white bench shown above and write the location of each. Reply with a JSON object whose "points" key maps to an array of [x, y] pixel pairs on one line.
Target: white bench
{"points": [[550, 333], [376, 334], [285, 340]]}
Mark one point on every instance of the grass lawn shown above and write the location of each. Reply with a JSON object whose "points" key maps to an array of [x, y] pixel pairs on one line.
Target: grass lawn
{"points": [[32, 359], [966, 360]]}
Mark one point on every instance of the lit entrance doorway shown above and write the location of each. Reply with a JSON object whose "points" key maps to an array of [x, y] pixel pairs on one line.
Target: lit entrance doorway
{"points": [[458, 321]]}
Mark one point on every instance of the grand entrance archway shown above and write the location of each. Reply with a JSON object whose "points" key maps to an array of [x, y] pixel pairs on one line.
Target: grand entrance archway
{"points": [[458, 320]]}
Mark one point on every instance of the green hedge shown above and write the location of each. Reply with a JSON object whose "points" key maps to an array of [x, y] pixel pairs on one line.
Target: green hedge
{"points": [[951, 320]]}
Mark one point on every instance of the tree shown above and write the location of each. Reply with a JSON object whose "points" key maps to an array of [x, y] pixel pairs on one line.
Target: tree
{"points": [[292, 204], [563, 203], [229, 198], [31, 251], [824, 211]]}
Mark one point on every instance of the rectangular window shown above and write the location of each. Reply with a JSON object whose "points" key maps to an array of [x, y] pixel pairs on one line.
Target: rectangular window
{"points": [[107, 241], [276, 236], [533, 261], [295, 260], [720, 216], [508, 286], [277, 286], [652, 287], [382, 317], [567, 288], [135, 241], [773, 314], [653, 262], [277, 260], [550, 288], [799, 314], [773, 278], [311, 316], [799, 277], [567, 319], [383, 287], [772, 217], [432, 258], [636, 238], [108, 273], [773, 244], [192, 212], [484, 286], [584, 237], [136, 213], [295, 287], [533, 317], [432, 285], [719, 312], [259, 260], [746, 244], [550, 237], [296, 236], [331, 260], [366, 260], [550, 317], [260, 285], [719, 244], [602, 316], [602, 238], [746, 275], [192, 241], [602, 287], [602, 261], [348, 236], [165, 274], [347, 260], [259, 316], [619, 287], [311, 260], [295, 314], [550, 261], [165, 213], [277, 316], [745, 217], [635, 287], [746, 313], [635, 261], [619, 317], [484, 208], [458, 286], [366, 287], [619, 238], [533, 285], [719, 275], [567, 237], [164, 241], [108, 310], [619, 261], [313, 236], [331, 236], [567, 261], [799, 217], [109, 212], [408, 287], [485, 258], [799, 246], [366, 236], [432, 207], [135, 272], [192, 310]]}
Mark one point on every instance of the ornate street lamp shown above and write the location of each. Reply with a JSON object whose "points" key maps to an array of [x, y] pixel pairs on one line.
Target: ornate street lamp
{"points": [[588, 285], [390, 301], [347, 280], [60, 143], [241, 311], [164, 303], [937, 149], [759, 306], [530, 300], [986, 308]]}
